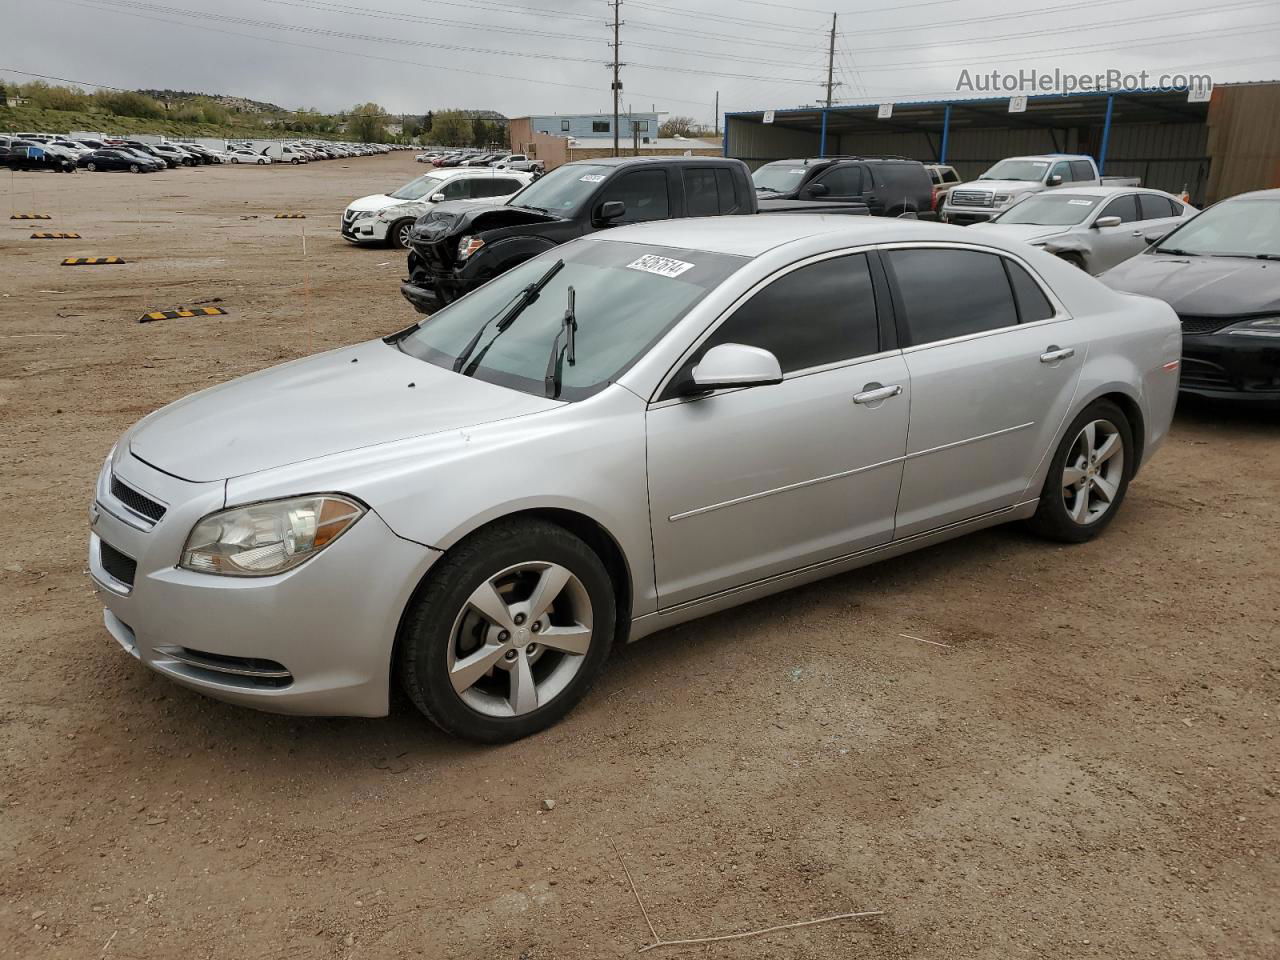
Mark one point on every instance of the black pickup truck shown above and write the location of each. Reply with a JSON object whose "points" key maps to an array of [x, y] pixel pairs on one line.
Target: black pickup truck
{"points": [[460, 245]]}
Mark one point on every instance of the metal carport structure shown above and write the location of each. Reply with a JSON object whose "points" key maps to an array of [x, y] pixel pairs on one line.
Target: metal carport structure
{"points": [[1157, 135]]}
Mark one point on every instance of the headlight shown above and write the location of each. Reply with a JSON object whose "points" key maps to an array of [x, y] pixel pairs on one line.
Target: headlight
{"points": [[1262, 327], [362, 214], [1001, 198], [469, 245], [268, 538]]}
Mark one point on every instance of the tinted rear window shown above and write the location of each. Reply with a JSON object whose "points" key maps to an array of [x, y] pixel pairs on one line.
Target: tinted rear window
{"points": [[952, 293]]}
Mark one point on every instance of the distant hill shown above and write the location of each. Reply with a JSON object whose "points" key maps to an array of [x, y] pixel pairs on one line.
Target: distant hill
{"points": [[234, 104]]}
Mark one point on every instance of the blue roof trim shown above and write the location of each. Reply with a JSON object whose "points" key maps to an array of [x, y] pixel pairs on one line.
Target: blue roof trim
{"points": [[874, 104]]}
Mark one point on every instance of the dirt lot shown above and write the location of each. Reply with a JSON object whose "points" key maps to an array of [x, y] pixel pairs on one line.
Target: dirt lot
{"points": [[1083, 764]]}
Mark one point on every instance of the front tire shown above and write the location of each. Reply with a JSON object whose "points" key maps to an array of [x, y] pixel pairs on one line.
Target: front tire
{"points": [[508, 631], [398, 235], [92, 167], [133, 168], [1088, 476]]}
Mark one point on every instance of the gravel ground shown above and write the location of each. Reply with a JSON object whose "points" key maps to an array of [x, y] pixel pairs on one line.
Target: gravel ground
{"points": [[1083, 763]]}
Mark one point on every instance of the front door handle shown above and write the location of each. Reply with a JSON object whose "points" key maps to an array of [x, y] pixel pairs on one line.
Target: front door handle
{"points": [[875, 393], [1055, 354]]}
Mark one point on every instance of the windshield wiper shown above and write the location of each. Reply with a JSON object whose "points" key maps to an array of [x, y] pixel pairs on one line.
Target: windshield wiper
{"points": [[505, 319], [1174, 251], [568, 330]]}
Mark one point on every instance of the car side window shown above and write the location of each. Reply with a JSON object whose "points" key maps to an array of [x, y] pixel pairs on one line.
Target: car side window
{"points": [[1081, 170], [842, 181], [727, 188], [701, 194], [1156, 207], [645, 194], [950, 176], [1126, 208], [951, 293], [1032, 304], [456, 189], [1062, 170], [821, 313]]}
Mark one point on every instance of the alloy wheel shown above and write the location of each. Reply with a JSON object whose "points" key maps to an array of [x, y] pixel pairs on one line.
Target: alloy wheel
{"points": [[520, 639], [1093, 471], [402, 234]]}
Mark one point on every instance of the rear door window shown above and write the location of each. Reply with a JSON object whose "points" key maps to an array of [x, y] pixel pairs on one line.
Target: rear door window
{"points": [[1081, 170], [951, 293], [1032, 304], [701, 192], [1155, 207], [727, 188]]}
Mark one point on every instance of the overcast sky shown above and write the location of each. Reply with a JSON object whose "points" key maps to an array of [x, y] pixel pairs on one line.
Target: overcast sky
{"points": [[526, 57]]}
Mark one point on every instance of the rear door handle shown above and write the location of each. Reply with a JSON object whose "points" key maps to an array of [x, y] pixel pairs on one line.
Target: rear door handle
{"points": [[1054, 354], [876, 394]]}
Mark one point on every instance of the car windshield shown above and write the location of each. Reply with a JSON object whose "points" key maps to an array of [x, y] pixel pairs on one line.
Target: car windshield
{"points": [[1017, 170], [417, 189], [1236, 228], [781, 177], [1050, 210], [627, 296], [563, 189]]}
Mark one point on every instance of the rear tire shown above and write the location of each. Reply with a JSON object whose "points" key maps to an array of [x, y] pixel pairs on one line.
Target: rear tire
{"points": [[519, 682], [92, 167], [1088, 476], [133, 168]]}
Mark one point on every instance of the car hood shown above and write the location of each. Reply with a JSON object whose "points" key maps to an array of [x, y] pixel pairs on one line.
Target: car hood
{"points": [[1027, 232], [376, 201], [331, 403], [1201, 286], [457, 217]]}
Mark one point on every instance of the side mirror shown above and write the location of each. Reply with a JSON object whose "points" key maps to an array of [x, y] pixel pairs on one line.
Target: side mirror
{"points": [[732, 365], [1054, 181], [437, 198], [1107, 222], [611, 210], [1157, 234], [817, 189]]}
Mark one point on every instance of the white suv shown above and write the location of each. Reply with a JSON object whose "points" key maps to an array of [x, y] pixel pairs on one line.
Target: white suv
{"points": [[388, 217]]}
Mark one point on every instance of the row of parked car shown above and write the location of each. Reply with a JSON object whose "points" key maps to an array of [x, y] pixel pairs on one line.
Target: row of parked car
{"points": [[64, 154], [479, 158]]}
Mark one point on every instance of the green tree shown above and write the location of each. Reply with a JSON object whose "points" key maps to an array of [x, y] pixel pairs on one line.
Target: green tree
{"points": [[368, 123], [450, 128], [129, 104]]}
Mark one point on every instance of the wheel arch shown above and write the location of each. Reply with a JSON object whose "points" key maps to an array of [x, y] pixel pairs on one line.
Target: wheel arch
{"points": [[586, 528]]}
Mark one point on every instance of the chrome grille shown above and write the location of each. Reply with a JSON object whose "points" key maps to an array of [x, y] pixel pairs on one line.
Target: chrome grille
{"points": [[136, 501], [969, 198]]}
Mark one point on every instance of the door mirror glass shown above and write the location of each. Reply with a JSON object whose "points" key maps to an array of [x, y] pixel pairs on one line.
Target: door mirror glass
{"points": [[1054, 181], [732, 365], [818, 190], [611, 210], [1107, 222]]}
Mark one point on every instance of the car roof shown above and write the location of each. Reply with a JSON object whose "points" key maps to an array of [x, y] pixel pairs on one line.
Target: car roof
{"points": [[750, 236], [447, 172], [1103, 192], [625, 161]]}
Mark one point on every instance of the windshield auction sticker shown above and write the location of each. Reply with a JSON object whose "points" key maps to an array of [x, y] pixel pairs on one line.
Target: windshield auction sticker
{"points": [[592, 178], [662, 266]]}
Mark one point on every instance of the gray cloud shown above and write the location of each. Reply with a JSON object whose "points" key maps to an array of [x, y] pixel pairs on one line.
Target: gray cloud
{"points": [[526, 56]]}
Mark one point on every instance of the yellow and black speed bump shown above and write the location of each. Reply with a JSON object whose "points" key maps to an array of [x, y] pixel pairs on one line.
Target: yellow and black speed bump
{"points": [[55, 236], [181, 312], [90, 261], [30, 216], [291, 216]]}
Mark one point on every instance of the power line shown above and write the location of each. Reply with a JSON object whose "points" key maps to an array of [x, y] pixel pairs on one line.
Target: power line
{"points": [[719, 17]]}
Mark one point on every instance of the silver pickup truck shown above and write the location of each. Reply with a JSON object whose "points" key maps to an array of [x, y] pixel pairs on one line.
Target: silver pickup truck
{"points": [[1014, 179]]}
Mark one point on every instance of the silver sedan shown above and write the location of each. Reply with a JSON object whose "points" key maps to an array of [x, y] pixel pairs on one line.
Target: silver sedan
{"points": [[635, 429], [1093, 228]]}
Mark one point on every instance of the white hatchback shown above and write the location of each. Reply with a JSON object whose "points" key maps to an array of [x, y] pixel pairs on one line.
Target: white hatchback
{"points": [[388, 217]]}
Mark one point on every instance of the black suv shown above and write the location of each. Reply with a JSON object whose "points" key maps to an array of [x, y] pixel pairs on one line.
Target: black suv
{"points": [[889, 186]]}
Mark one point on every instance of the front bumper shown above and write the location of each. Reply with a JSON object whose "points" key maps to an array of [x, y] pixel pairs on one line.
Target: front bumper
{"points": [[1224, 366], [366, 230], [966, 216], [317, 639]]}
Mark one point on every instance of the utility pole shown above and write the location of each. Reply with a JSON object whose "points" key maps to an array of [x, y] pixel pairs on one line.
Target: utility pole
{"points": [[617, 84], [831, 60], [717, 113]]}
